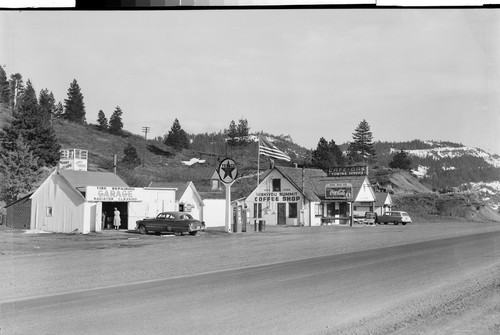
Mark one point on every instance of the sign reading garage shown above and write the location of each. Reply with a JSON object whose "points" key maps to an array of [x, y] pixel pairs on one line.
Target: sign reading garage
{"points": [[118, 194]]}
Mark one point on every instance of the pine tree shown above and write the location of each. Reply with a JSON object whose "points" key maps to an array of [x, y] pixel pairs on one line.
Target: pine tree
{"points": [[361, 149], [177, 137], [16, 89], [243, 131], [59, 111], [4, 87], [400, 161], [34, 128], [74, 108], [131, 159], [19, 171], [115, 121], [47, 104], [232, 134], [327, 155], [102, 121]]}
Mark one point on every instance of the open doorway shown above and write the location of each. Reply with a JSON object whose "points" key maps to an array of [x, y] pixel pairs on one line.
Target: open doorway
{"points": [[109, 207]]}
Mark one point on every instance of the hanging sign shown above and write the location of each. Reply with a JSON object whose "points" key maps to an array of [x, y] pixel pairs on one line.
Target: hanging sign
{"points": [[340, 191], [227, 171]]}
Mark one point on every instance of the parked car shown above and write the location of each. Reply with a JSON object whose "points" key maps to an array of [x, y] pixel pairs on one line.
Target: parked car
{"points": [[171, 222], [395, 217]]}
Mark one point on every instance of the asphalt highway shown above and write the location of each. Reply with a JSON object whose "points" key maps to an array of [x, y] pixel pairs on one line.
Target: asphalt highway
{"points": [[314, 295]]}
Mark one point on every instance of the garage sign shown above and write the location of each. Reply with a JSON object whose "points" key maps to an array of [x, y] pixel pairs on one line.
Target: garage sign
{"points": [[113, 194], [340, 191]]}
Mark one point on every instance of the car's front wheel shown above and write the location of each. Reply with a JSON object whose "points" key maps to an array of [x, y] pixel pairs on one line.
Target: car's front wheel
{"points": [[192, 233], [143, 230]]}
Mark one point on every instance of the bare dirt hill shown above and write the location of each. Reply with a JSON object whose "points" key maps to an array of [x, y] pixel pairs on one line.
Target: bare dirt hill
{"points": [[397, 181]]}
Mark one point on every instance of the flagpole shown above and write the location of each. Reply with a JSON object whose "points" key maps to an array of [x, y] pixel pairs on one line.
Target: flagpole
{"points": [[258, 162]]}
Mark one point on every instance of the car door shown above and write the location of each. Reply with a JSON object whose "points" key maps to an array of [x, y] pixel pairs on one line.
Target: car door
{"points": [[170, 222], [157, 224]]}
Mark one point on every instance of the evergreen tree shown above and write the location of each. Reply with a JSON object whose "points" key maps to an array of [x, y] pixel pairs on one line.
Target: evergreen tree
{"points": [[19, 171], [131, 159], [34, 128], [102, 121], [4, 87], [74, 108], [16, 89], [59, 111], [232, 134], [177, 137], [243, 131], [361, 148], [47, 104], [400, 161], [327, 155], [115, 121]]}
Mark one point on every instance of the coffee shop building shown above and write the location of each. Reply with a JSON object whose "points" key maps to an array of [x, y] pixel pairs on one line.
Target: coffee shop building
{"points": [[311, 197]]}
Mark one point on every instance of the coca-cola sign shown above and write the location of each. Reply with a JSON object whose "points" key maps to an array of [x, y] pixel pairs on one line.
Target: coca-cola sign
{"points": [[338, 191]]}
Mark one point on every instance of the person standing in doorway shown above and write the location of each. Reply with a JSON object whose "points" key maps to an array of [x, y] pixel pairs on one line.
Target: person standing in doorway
{"points": [[116, 219]]}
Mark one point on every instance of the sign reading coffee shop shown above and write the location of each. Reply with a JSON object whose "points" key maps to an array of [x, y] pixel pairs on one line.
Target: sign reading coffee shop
{"points": [[340, 191], [277, 196], [347, 171]]}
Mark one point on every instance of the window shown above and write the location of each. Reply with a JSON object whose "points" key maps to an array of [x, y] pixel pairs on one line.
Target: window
{"points": [[276, 185], [257, 210], [49, 211], [292, 210], [318, 210]]}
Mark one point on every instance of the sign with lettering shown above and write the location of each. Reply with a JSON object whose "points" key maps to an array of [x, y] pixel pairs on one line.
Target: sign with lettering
{"points": [[340, 191], [277, 196], [113, 194], [346, 171]]}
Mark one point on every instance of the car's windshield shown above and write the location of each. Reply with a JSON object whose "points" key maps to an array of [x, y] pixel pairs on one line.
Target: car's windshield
{"points": [[186, 217], [404, 214]]}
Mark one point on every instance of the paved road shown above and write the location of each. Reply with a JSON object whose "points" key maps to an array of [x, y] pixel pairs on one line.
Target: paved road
{"points": [[316, 295]]}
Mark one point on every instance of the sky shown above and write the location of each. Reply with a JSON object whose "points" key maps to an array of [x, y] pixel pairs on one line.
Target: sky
{"points": [[429, 74]]}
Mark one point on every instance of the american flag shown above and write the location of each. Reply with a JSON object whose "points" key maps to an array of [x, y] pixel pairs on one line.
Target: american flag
{"points": [[266, 148]]}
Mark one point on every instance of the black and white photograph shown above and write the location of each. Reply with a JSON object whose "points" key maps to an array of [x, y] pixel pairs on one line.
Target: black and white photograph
{"points": [[192, 168]]}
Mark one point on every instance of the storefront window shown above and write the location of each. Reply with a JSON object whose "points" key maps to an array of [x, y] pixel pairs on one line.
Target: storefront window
{"points": [[292, 210], [318, 210], [276, 185], [257, 210], [330, 209]]}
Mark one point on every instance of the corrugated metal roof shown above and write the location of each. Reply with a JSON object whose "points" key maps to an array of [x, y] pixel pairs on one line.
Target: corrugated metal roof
{"points": [[79, 179]]}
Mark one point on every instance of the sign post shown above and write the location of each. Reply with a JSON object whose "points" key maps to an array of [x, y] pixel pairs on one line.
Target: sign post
{"points": [[228, 173]]}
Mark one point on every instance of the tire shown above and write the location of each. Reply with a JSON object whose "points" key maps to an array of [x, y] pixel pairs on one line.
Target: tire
{"points": [[143, 230], [192, 233], [403, 223], [385, 222]]}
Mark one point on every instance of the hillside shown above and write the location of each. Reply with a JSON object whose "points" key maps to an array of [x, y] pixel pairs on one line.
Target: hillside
{"points": [[162, 163]]}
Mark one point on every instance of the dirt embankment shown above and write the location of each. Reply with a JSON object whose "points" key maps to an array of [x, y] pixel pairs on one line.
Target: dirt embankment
{"points": [[410, 195], [452, 206]]}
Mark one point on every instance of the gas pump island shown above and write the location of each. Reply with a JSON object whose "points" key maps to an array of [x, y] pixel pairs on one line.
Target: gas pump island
{"points": [[228, 172]]}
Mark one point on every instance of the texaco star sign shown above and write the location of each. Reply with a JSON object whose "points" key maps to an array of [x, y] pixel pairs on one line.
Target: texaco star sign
{"points": [[227, 171]]}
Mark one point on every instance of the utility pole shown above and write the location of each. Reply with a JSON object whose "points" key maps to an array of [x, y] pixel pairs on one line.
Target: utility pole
{"points": [[146, 131]]}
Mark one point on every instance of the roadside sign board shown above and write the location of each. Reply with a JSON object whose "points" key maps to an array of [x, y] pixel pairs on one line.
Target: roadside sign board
{"points": [[227, 171], [341, 191]]}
